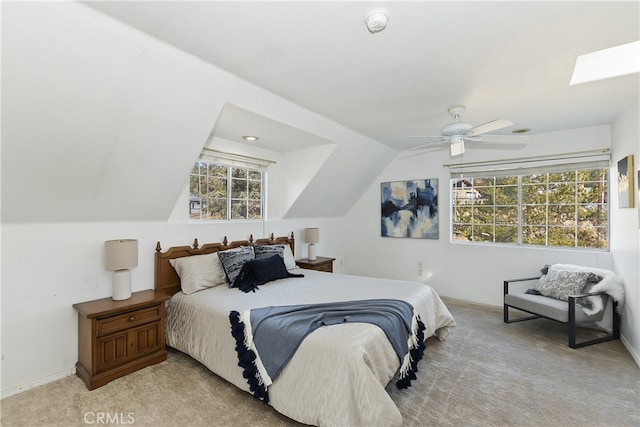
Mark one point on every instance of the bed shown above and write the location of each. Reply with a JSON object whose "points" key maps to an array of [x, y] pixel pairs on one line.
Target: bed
{"points": [[338, 374]]}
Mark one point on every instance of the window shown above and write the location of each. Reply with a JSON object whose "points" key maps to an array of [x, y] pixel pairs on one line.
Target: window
{"points": [[556, 208], [222, 192]]}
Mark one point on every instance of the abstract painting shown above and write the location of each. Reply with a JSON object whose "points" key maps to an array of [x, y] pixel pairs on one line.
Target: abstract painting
{"points": [[410, 209], [625, 182]]}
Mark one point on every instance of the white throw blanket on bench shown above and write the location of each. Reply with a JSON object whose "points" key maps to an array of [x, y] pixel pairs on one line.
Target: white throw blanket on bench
{"points": [[611, 284]]}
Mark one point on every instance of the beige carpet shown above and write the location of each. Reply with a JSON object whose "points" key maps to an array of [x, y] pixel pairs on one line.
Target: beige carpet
{"points": [[486, 373]]}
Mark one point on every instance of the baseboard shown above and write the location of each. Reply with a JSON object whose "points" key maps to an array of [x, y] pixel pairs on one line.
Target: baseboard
{"points": [[11, 391], [481, 303], [633, 354]]}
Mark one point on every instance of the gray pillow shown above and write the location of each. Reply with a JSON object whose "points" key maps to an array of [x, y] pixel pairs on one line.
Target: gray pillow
{"points": [[267, 251], [560, 284], [199, 272], [232, 261]]}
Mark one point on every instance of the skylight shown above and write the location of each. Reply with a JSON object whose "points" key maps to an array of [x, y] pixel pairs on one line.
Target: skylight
{"points": [[603, 64]]}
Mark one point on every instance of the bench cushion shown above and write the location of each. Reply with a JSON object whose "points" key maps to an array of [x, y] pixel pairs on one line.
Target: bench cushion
{"points": [[548, 307]]}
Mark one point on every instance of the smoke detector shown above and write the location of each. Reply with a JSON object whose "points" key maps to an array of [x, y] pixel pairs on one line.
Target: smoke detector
{"points": [[377, 20]]}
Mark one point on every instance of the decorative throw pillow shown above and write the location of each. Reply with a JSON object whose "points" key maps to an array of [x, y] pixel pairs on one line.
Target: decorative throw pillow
{"points": [[269, 269], [289, 259], [560, 284], [260, 271], [266, 251], [198, 272], [232, 261]]}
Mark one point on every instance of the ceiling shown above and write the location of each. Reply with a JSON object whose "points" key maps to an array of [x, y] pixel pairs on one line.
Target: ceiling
{"points": [[507, 60], [235, 122]]}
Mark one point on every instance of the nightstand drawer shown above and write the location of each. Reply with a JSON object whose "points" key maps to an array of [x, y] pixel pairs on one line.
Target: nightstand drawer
{"points": [[325, 267], [128, 320], [321, 263]]}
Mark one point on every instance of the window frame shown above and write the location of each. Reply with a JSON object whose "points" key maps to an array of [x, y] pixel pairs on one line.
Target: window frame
{"points": [[229, 191], [576, 203]]}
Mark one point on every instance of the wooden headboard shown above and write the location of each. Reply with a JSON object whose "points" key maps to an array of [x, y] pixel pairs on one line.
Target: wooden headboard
{"points": [[166, 279]]}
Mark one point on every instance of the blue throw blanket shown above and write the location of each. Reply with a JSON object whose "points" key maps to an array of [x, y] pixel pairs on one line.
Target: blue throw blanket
{"points": [[267, 338]]}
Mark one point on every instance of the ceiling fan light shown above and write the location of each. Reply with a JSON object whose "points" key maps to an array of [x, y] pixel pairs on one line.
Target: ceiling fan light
{"points": [[457, 145]]}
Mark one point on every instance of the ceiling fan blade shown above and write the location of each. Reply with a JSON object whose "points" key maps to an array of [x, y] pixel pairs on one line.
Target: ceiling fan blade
{"points": [[419, 151], [428, 144], [488, 127], [426, 136]]}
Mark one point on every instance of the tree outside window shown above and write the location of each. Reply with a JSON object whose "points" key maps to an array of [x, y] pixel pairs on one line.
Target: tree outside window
{"points": [[564, 209], [224, 192]]}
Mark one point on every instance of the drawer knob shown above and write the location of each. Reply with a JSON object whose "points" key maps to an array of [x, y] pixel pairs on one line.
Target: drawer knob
{"points": [[132, 318]]}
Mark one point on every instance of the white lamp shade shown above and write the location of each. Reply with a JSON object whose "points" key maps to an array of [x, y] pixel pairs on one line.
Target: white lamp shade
{"points": [[120, 254], [312, 235]]}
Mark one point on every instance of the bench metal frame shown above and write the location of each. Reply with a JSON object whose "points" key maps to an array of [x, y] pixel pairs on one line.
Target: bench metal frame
{"points": [[615, 334]]}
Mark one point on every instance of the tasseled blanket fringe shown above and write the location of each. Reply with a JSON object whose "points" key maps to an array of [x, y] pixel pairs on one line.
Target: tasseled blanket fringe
{"points": [[416, 347], [247, 357]]}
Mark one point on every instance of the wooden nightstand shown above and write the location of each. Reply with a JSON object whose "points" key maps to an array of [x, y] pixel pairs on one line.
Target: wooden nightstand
{"points": [[319, 264], [116, 338]]}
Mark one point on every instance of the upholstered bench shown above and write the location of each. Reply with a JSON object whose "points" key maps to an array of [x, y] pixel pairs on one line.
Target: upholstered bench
{"points": [[569, 311]]}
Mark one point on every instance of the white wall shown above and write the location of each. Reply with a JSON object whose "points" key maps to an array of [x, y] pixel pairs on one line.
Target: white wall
{"points": [[625, 232], [46, 268], [472, 272]]}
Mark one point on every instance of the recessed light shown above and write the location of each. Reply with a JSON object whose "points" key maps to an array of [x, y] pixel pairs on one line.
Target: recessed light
{"points": [[521, 130], [250, 138]]}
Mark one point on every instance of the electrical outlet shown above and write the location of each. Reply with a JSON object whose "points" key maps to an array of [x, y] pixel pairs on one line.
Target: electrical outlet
{"points": [[419, 268]]}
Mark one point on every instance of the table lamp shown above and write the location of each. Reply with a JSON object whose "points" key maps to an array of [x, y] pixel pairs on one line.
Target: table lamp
{"points": [[312, 236], [120, 256]]}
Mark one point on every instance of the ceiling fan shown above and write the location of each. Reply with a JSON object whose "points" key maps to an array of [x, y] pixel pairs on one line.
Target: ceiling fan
{"points": [[457, 132]]}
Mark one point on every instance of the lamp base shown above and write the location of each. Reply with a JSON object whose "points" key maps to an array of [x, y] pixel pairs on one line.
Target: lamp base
{"points": [[121, 285], [311, 252]]}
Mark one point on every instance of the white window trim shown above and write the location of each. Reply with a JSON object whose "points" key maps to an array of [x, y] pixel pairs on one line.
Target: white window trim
{"points": [[591, 159], [600, 158], [239, 161]]}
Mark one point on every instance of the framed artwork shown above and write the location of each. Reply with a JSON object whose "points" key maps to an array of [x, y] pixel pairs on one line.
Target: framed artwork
{"points": [[409, 209], [625, 182]]}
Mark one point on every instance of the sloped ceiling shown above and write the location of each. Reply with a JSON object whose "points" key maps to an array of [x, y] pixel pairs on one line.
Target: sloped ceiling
{"points": [[102, 122], [503, 59], [105, 103]]}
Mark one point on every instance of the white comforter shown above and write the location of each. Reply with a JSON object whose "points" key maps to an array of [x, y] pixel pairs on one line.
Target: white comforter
{"points": [[337, 376]]}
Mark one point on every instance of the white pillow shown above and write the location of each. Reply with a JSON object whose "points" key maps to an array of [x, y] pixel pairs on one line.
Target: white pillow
{"points": [[199, 272], [289, 259]]}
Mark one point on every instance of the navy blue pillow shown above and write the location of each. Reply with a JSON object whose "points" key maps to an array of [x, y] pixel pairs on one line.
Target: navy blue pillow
{"points": [[260, 271]]}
